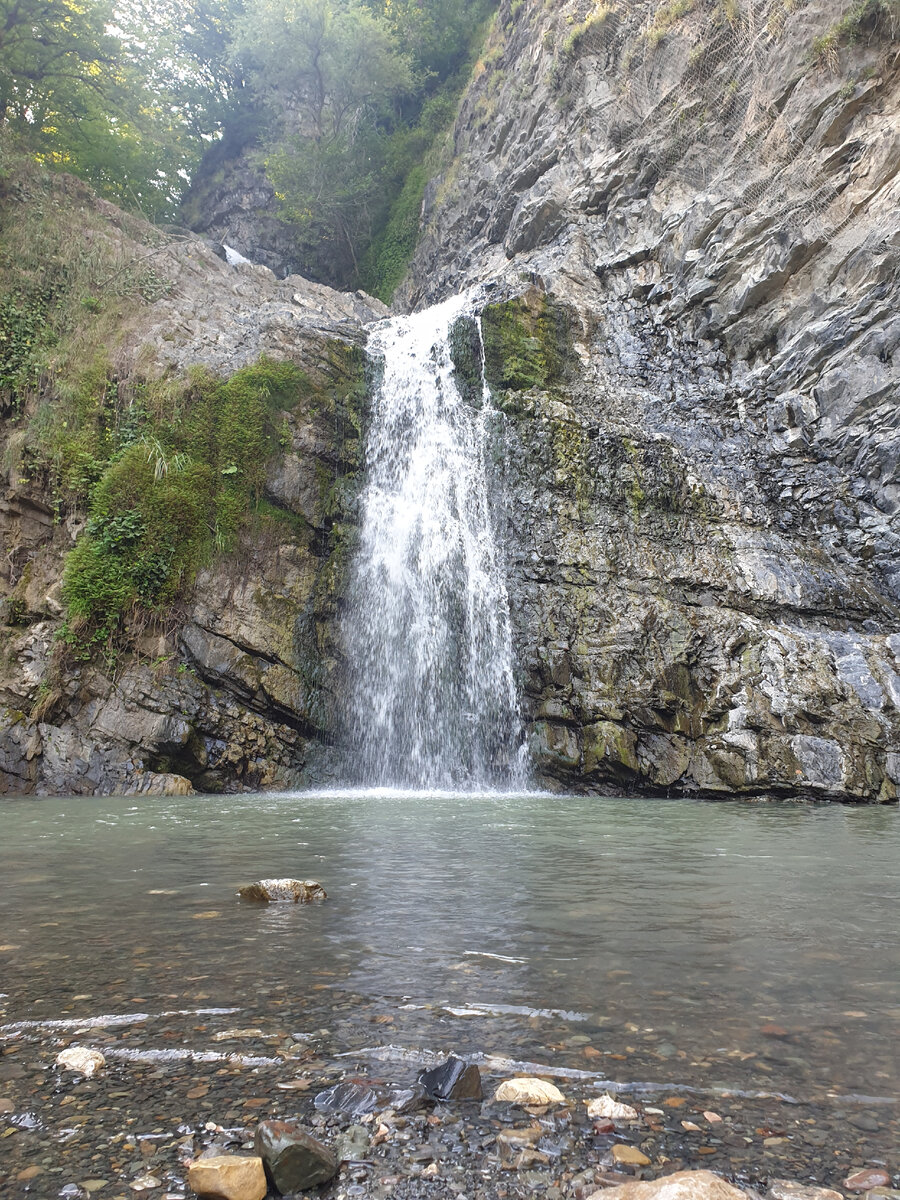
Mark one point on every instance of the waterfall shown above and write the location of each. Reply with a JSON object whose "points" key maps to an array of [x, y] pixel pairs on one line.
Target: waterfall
{"points": [[433, 696]]}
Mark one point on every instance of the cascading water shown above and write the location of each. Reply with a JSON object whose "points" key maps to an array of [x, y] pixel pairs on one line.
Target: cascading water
{"points": [[433, 696]]}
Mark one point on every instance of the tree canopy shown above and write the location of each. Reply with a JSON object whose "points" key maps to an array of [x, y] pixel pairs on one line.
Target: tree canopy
{"points": [[330, 92]]}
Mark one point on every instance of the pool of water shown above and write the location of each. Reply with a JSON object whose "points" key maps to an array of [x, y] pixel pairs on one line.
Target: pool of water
{"points": [[666, 945]]}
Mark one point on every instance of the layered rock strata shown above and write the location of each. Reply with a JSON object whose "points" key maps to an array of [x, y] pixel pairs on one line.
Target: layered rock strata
{"points": [[701, 386]]}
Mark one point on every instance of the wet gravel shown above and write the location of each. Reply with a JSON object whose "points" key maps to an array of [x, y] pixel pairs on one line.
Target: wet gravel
{"points": [[187, 1079]]}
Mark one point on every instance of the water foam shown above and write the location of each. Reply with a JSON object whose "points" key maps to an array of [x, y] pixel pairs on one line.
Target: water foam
{"points": [[428, 634]]}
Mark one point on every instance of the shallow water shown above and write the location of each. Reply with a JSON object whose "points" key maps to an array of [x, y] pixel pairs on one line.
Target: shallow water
{"points": [[703, 948]]}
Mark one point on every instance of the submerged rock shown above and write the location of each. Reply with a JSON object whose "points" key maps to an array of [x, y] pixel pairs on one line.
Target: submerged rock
{"points": [[452, 1079], [683, 1185], [296, 890], [81, 1059], [612, 1110], [630, 1156], [528, 1091], [867, 1179], [788, 1189], [228, 1177], [354, 1099], [294, 1160]]}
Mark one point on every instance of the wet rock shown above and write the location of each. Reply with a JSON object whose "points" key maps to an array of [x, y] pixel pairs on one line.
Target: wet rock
{"points": [[452, 1079], [7, 1106], [528, 1091], [612, 1110], [354, 1099], [683, 1185], [294, 1160], [79, 1058], [629, 1156], [298, 891], [407, 1100], [228, 1177], [864, 1121], [352, 1144], [787, 1189], [145, 1183], [867, 1179]]}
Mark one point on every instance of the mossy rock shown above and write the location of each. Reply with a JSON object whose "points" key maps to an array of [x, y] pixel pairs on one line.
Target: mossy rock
{"points": [[527, 342]]}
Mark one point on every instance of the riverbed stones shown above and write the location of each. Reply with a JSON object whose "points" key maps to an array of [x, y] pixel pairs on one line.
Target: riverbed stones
{"points": [[683, 1185], [610, 1109], [228, 1177], [528, 1092], [298, 891], [453, 1079], [81, 1059], [294, 1160]]}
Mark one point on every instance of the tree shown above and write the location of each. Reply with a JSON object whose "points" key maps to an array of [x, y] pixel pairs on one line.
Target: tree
{"points": [[327, 73]]}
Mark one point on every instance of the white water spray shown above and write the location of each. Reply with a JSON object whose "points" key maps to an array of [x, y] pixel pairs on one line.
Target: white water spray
{"points": [[434, 701]]}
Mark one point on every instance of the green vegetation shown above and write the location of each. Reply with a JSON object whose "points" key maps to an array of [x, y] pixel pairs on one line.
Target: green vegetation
{"points": [[341, 100], [582, 32], [526, 343], [164, 492], [666, 16], [864, 18]]}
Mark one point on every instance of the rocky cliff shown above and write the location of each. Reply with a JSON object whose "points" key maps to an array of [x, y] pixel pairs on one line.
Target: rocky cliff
{"points": [[687, 219], [233, 686], [700, 382]]}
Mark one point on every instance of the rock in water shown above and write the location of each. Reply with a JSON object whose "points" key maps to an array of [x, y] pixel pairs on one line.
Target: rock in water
{"points": [[867, 1179], [605, 1106], [787, 1189], [630, 1156], [296, 890], [228, 1177], [528, 1091], [354, 1099], [79, 1058], [294, 1160], [683, 1185], [452, 1079]]}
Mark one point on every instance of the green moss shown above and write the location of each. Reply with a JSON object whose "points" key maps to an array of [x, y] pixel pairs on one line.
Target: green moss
{"points": [[526, 343], [180, 491], [387, 259], [571, 459]]}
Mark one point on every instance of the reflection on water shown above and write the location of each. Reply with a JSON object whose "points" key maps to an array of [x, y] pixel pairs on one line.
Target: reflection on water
{"points": [[752, 946]]}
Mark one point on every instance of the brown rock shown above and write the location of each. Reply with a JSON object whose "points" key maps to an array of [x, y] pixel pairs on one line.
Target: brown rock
{"points": [[630, 1155], [788, 1189], [867, 1179], [683, 1185], [296, 890], [228, 1177]]}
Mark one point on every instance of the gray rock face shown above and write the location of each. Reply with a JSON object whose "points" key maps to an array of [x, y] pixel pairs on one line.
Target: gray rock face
{"points": [[233, 203], [702, 496], [240, 691]]}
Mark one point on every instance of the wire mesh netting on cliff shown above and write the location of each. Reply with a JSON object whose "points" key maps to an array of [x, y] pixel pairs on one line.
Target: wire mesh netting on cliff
{"points": [[699, 84]]}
